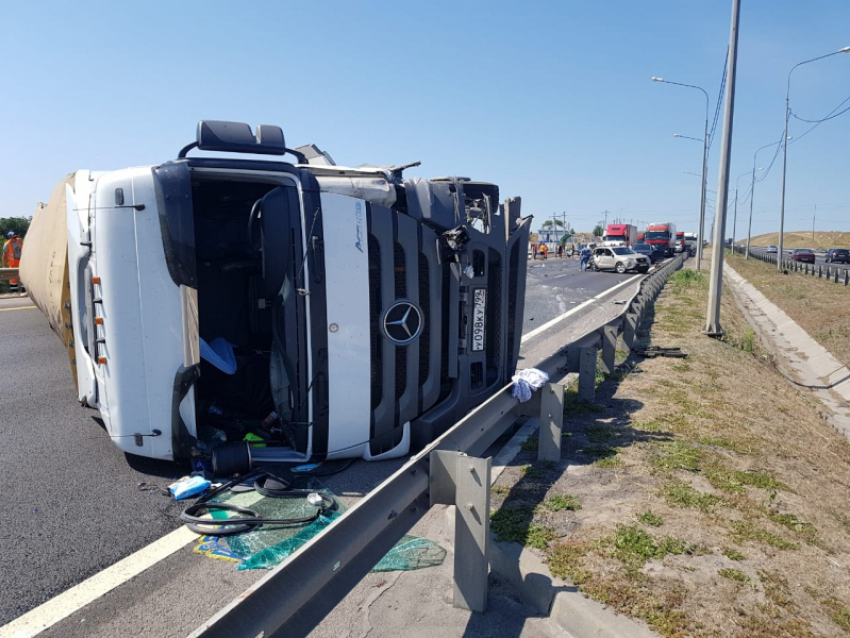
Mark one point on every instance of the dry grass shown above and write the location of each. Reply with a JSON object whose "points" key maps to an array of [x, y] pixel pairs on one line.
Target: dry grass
{"points": [[722, 517], [817, 305], [804, 239]]}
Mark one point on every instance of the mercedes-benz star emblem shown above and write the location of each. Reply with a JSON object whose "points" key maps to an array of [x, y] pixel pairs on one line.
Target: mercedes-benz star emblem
{"points": [[402, 322]]}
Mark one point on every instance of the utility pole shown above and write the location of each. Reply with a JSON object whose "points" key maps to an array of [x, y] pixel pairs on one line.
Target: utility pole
{"points": [[813, 223], [712, 320]]}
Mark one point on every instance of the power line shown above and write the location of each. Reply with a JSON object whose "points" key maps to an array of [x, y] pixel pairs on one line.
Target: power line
{"points": [[719, 98]]}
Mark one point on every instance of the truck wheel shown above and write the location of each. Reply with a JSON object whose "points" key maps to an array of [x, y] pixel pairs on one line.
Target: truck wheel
{"points": [[620, 268]]}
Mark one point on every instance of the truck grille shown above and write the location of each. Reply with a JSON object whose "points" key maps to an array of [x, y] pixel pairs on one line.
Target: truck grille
{"points": [[403, 265]]}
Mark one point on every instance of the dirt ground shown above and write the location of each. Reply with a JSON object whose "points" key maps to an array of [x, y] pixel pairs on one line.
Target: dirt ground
{"points": [[817, 305], [703, 495]]}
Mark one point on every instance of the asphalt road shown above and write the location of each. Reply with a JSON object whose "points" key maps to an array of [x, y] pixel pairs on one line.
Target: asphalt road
{"points": [[819, 258], [75, 504]]}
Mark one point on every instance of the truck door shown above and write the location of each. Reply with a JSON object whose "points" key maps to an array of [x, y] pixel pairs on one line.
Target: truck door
{"points": [[80, 280]]}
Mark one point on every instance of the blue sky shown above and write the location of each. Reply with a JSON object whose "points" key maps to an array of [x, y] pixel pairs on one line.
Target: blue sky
{"points": [[553, 101]]}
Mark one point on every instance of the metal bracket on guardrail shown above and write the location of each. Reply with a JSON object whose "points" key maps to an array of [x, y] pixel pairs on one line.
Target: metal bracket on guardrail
{"points": [[610, 333], [464, 481]]}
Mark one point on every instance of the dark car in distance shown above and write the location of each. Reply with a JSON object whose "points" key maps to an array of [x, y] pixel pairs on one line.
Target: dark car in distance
{"points": [[804, 254], [648, 251], [836, 255]]}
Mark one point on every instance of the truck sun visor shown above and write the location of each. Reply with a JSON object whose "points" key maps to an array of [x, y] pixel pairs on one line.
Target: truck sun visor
{"points": [[219, 352]]}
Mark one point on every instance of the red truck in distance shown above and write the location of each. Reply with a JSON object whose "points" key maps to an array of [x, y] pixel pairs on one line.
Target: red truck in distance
{"points": [[663, 236], [620, 235]]}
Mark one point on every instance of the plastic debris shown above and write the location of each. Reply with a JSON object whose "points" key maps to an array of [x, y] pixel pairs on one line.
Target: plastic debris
{"points": [[654, 351], [526, 381], [219, 352], [188, 486], [268, 546]]}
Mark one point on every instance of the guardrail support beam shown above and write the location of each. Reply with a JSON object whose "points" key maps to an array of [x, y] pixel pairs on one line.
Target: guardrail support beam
{"points": [[472, 532], [609, 347], [551, 422], [587, 374]]}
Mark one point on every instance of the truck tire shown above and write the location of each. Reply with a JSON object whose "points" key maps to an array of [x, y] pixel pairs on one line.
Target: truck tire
{"points": [[620, 267], [231, 458]]}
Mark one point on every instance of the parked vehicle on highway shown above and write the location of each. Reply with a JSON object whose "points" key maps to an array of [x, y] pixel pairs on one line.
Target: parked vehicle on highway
{"points": [[335, 312], [838, 255], [662, 234], [620, 259], [803, 254], [620, 235], [772, 250], [647, 250]]}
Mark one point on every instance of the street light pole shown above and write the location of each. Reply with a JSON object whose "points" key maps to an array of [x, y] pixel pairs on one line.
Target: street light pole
{"points": [[712, 320], [785, 148], [753, 193], [704, 164], [735, 218]]}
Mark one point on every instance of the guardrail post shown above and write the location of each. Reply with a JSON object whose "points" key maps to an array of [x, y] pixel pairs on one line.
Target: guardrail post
{"points": [[847, 277], [551, 422], [836, 275], [609, 347], [820, 272], [472, 533], [630, 324], [464, 481], [587, 374]]}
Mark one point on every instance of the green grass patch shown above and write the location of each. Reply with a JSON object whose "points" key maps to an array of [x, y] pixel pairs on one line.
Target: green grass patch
{"points": [[531, 443], [574, 404], [565, 562], [678, 455], [501, 490], [686, 279], [648, 518], [683, 495], [734, 574], [682, 367], [733, 481], [633, 547], [748, 531], [805, 530], [608, 462], [566, 434], [732, 554], [562, 502], [514, 524], [648, 426], [531, 472]]}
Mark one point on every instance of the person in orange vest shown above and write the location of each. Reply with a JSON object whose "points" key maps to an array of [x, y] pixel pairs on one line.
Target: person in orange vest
{"points": [[544, 250], [12, 256]]}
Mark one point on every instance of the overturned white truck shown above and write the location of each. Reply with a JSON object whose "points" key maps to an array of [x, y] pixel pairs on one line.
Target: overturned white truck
{"points": [[326, 312]]}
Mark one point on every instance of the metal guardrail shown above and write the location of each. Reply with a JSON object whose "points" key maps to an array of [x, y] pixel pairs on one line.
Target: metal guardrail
{"points": [[821, 272], [294, 597], [7, 274]]}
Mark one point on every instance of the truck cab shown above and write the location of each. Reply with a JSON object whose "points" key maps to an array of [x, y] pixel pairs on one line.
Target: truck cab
{"points": [[334, 312]]}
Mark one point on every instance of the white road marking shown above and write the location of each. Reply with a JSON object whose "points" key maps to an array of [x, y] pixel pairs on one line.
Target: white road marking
{"points": [[557, 320], [60, 607], [17, 308]]}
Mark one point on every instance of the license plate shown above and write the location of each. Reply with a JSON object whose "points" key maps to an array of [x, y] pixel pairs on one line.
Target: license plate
{"points": [[479, 318]]}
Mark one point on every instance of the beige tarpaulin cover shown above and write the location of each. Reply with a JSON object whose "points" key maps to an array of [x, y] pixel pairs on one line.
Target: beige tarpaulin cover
{"points": [[45, 257]]}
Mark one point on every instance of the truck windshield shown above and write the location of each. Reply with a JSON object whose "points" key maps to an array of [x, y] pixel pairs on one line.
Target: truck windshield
{"points": [[658, 234], [614, 238]]}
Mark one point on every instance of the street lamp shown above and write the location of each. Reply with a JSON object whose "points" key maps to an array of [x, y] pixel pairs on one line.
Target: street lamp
{"points": [[753, 192], [704, 162], [785, 147], [735, 217], [685, 137]]}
